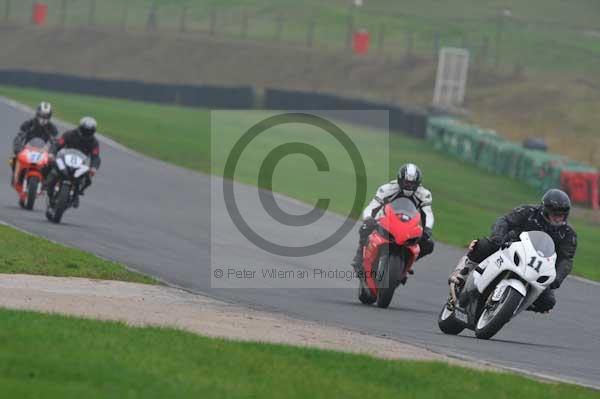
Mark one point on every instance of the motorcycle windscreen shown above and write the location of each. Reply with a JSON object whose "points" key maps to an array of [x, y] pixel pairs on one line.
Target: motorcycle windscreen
{"points": [[404, 206], [36, 142], [73, 158], [402, 220], [542, 243]]}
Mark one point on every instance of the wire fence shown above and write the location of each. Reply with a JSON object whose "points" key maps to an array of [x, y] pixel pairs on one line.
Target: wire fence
{"points": [[500, 42]]}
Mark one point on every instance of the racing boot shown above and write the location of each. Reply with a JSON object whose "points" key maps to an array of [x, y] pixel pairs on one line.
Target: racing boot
{"points": [[461, 272], [12, 162], [50, 186], [357, 262]]}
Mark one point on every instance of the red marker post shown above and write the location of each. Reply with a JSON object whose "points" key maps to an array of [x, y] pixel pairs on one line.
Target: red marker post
{"points": [[360, 42], [39, 13]]}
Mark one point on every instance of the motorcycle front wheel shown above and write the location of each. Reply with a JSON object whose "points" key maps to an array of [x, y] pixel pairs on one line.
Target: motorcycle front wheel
{"points": [[32, 189], [364, 294], [495, 315], [389, 271], [61, 203]]}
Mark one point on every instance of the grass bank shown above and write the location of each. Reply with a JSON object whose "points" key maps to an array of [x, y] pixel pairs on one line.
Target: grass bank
{"points": [[26, 254], [108, 359]]}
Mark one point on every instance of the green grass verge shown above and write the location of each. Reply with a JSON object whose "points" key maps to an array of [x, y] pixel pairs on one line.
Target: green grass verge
{"points": [[108, 359], [466, 200], [26, 254]]}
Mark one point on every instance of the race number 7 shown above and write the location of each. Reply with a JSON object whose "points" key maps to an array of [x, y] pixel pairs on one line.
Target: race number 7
{"points": [[532, 263]]}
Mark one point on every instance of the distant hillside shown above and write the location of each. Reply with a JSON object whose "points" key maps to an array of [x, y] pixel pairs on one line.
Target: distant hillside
{"points": [[560, 107]]}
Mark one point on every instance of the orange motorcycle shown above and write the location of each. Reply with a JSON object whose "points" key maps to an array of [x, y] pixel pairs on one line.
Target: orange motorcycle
{"points": [[28, 176]]}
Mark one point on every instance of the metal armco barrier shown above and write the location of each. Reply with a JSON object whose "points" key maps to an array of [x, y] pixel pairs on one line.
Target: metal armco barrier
{"points": [[412, 121], [189, 95]]}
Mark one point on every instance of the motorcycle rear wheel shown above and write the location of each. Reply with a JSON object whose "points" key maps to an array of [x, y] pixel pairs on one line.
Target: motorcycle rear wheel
{"points": [[448, 323]]}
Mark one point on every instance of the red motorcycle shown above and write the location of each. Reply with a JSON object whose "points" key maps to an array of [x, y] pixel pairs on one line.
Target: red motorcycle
{"points": [[28, 177], [391, 252]]}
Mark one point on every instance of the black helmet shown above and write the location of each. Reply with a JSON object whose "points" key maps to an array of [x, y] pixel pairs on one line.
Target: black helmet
{"points": [[87, 126], [556, 206], [409, 178], [43, 113]]}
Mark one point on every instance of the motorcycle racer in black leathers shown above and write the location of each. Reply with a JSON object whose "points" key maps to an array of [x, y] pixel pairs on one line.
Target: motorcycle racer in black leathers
{"points": [[550, 217], [81, 139]]}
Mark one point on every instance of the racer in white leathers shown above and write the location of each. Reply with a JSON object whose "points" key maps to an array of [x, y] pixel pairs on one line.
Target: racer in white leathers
{"points": [[407, 184]]}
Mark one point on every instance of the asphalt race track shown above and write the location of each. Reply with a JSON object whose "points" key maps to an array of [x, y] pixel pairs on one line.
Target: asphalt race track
{"points": [[156, 218]]}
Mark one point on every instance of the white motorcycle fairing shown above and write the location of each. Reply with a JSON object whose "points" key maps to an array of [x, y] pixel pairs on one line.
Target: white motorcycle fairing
{"points": [[532, 260]]}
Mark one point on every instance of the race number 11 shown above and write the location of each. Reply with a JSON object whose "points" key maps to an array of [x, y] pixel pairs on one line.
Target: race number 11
{"points": [[532, 263]]}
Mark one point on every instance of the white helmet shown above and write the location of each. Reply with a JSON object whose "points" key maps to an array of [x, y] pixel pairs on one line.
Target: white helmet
{"points": [[87, 126], [409, 178], [43, 113]]}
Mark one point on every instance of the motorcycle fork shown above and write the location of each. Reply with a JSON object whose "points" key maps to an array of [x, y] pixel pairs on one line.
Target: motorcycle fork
{"points": [[468, 299], [58, 186], [478, 302]]}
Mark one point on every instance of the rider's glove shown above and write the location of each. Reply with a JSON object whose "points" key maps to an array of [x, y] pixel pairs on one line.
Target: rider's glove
{"points": [[92, 172], [370, 223], [497, 241], [511, 236], [366, 228], [555, 285], [508, 239]]}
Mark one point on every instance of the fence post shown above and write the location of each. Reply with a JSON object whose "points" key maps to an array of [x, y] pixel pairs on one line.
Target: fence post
{"points": [[483, 53], [410, 43], [124, 15], [152, 23], [518, 69], [63, 13], [244, 26], [310, 33], [350, 27], [499, 29], [381, 38], [436, 45], [7, 10], [183, 19], [92, 14], [213, 21], [279, 26]]}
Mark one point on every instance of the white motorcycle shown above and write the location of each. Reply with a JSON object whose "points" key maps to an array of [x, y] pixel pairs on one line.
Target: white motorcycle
{"points": [[500, 287], [72, 168]]}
